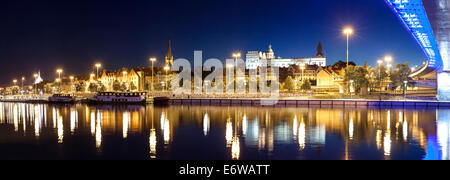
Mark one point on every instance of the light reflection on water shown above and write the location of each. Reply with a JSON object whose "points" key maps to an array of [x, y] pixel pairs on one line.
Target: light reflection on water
{"points": [[32, 131]]}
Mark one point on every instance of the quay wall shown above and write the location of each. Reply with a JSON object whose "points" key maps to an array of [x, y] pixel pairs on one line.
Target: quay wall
{"points": [[307, 103]]}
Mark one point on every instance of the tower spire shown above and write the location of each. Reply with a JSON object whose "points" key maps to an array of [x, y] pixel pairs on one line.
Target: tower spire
{"points": [[169, 57], [320, 50]]}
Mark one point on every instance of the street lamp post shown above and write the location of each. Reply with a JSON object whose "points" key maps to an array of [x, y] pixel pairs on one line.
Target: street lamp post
{"points": [[236, 56], [153, 60], [23, 79], [166, 68], [303, 67], [71, 82], [351, 86], [35, 85], [59, 71], [15, 82], [405, 89], [97, 66], [348, 31], [389, 60], [381, 78]]}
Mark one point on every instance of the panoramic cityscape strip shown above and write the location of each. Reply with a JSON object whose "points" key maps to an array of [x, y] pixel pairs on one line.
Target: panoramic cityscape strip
{"points": [[191, 82]]}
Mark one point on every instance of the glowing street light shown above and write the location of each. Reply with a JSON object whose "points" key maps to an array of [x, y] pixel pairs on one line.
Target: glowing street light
{"points": [[389, 60], [97, 66], [14, 82], [348, 31], [303, 67], [152, 60], [237, 55], [23, 79], [59, 71]]}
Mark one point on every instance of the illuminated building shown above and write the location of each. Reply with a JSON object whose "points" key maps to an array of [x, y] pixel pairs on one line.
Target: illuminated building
{"points": [[254, 59], [131, 77], [428, 22]]}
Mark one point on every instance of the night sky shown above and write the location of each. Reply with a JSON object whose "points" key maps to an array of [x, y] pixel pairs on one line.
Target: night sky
{"points": [[74, 34]]}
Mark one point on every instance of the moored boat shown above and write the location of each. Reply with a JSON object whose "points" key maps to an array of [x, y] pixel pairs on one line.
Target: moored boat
{"points": [[119, 97], [61, 98]]}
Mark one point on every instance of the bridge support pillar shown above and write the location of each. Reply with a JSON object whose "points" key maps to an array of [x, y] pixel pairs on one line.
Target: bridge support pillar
{"points": [[443, 79]]}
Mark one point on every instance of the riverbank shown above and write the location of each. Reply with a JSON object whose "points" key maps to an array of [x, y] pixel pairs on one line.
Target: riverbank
{"points": [[266, 102], [308, 103]]}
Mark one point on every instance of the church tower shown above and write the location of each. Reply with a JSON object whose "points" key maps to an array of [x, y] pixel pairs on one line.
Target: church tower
{"points": [[320, 50], [169, 57]]}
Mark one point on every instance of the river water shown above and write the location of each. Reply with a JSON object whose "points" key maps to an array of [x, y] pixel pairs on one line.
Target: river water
{"points": [[40, 131]]}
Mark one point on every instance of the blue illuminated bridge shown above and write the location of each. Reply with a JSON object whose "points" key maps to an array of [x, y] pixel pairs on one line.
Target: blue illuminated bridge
{"points": [[428, 21]]}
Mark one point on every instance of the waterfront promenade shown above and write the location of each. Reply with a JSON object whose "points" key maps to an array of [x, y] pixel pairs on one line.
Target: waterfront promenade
{"points": [[310, 103], [264, 101]]}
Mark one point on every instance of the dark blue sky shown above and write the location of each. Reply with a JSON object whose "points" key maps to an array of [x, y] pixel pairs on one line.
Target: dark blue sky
{"points": [[73, 34]]}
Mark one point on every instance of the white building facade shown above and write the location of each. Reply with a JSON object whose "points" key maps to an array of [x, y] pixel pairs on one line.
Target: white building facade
{"points": [[254, 59]]}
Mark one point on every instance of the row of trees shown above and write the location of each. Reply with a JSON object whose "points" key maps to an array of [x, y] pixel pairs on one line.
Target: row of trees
{"points": [[290, 85], [376, 78]]}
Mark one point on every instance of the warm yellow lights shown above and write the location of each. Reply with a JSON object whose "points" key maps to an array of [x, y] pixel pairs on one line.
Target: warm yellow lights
{"points": [[237, 55], [15, 81], [124, 73], [59, 71], [58, 80], [388, 59], [380, 62], [152, 59], [98, 65], [92, 75], [302, 66], [23, 78], [71, 78], [35, 75], [166, 68], [348, 31]]}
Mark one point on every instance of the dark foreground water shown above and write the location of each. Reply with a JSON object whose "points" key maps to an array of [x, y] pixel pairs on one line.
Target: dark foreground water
{"points": [[29, 131]]}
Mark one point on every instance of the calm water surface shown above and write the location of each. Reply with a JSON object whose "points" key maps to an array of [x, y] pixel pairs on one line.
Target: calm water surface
{"points": [[29, 131]]}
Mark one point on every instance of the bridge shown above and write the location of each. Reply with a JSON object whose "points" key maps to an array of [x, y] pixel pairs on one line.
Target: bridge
{"points": [[428, 21]]}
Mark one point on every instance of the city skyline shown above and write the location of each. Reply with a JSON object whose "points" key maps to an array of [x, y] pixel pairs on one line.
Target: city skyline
{"points": [[123, 34]]}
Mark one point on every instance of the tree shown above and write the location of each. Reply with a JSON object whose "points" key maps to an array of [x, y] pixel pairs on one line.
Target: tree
{"points": [[306, 86], [400, 75], [289, 84], [116, 85], [79, 87], [101, 87], [123, 87], [358, 75], [342, 65], [377, 76], [93, 87], [133, 87]]}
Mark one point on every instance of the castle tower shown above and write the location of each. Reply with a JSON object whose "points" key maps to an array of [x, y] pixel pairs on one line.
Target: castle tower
{"points": [[270, 53], [169, 57]]}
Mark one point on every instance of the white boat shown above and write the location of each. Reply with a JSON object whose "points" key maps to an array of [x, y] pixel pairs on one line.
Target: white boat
{"points": [[118, 97], [61, 98]]}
